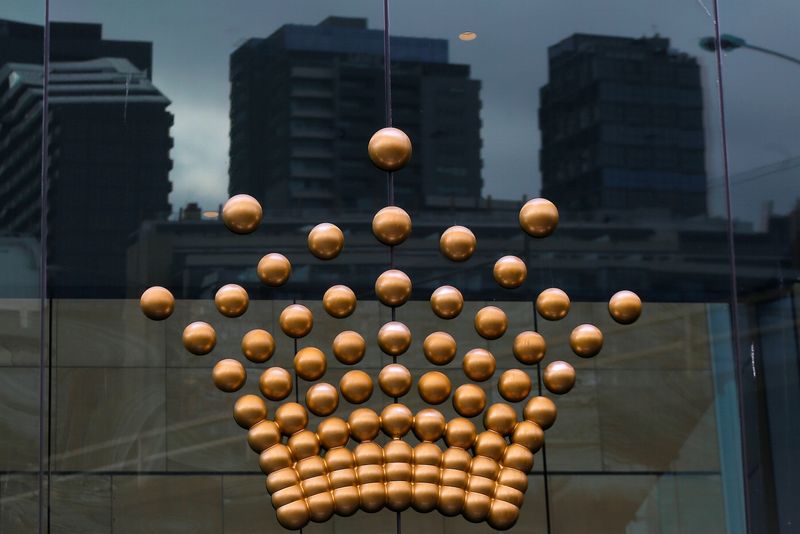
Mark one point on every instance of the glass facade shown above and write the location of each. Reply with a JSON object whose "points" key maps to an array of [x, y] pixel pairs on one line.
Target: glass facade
{"points": [[666, 134]]}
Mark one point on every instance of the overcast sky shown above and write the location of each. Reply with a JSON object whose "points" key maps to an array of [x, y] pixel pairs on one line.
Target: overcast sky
{"points": [[193, 39]]}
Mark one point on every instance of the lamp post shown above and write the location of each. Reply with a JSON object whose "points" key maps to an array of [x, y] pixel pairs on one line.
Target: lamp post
{"points": [[729, 42]]}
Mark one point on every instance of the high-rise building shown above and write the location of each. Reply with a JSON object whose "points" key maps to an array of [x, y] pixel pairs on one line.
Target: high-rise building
{"points": [[622, 126], [305, 101]]}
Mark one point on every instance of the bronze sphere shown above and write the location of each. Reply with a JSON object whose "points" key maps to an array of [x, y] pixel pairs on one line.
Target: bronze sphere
{"points": [[469, 400], [518, 457], [157, 303], [490, 444], [229, 375], [333, 432], [625, 307], [479, 365], [586, 340], [429, 425], [396, 420], [559, 377], [457, 243], [275, 383], [394, 380], [304, 444], [529, 347], [391, 225], [199, 338], [276, 458], [491, 322], [510, 272], [291, 418], [447, 302], [500, 418], [325, 241], [460, 433], [274, 269], [296, 320], [541, 411], [356, 386], [528, 434], [364, 424], [514, 385], [231, 300], [538, 217], [552, 304], [434, 387], [310, 363], [439, 348], [293, 516], [393, 287], [249, 410], [349, 347], [242, 214], [263, 435], [339, 301], [476, 507], [322, 399], [394, 338], [258, 345], [502, 515], [389, 149]]}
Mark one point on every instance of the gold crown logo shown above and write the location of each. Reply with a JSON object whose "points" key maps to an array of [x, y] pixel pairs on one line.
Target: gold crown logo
{"points": [[313, 474]]}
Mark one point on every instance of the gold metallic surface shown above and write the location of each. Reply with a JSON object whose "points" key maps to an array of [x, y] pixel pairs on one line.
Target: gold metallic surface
{"points": [[364, 425], [157, 303], [509, 494], [275, 458], [460, 432], [229, 375], [275, 383], [513, 479], [391, 225], [389, 149], [502, 515], [514, 385], [325, 241], [490, 444], [346, 500], [310, 363], [199, 338], [541, 411], [339, 301], [538, 217], [263, 435], [258, 345], [491, 322], [393, 287], [274, 269], [296, 320], [451, 500], [429, 425], [398, 495], [349, 347], [291, 417], [231, 300], [510, 272], [356, 386], [529, 347], [476, 507], [396, 420], [447, 302], [394, 338], [552, 304], [479, 365], [434, 387], [500, 418], [457, 243], [528, 434], [249, 410], [559, 377], [322, 399], [320, 507], [333, 432], [372, 497], [625, 307], [293, 516], [469, 400], [394, 380], [282, 478], [439, 348], [242, 214], [518, 457], [303, 444], [586, 340]]}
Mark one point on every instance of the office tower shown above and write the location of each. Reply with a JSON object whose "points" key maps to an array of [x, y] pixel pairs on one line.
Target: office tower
{"points": [[306, 99], [622, 126]]}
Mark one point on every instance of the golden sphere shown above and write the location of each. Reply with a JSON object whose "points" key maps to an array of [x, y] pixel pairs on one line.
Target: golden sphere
{"points": [[231, 300], [322, 399], [538, 217], [398, 451], [398, 495], [559, 377], [451, 500], [320, 506], [391, 225], [339, 301], [389, 149], [447, 302], [325, 241], [372, 497], [427, 454], [296, 320], [274, 269], [552, 304], [249, 410], [310, 363], [529, 347], [625, 307], [541, 411], [333, 432], [303, 444], [393, 287], [346, 500], [502, 515], [514, 385], [484, 467], [491, 322], [258, 345], [277, 458], [349, 347], [490, 444], [513, 479], [291, 418], [586, 340], [356, 386], [229, 375], [293, 516], [469, 400], [242, 214], [282, 478], [394, 380], [396, 420], [518, 457], [429, 425], [199, 338], [528, 434], [275, 383], [364, 424], [501, 418], [476, 507], [460, 432], [510, 272], [263, 435], [157, 303], [439, 348], [434, 387], [394, 338], [457, 243], [479, 365]]}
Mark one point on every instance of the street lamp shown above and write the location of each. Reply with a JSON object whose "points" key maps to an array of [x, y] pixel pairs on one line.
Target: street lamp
{"points": [[729, 42]]}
